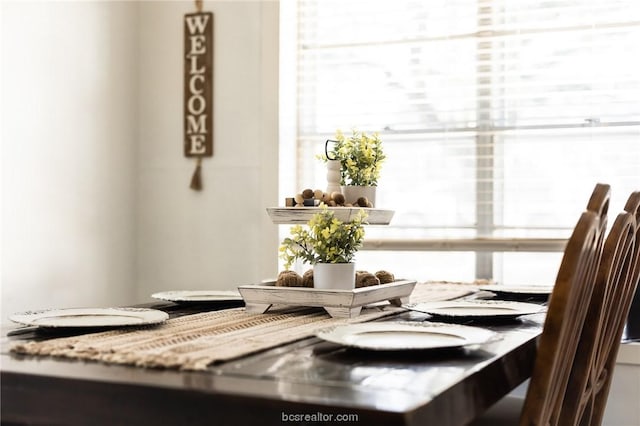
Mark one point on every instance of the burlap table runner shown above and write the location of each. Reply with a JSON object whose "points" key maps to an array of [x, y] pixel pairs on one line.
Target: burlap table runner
{"points": [[192, 342]]}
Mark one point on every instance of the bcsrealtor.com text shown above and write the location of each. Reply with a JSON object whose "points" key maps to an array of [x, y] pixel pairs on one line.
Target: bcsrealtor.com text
{"points": [[318, 417]]}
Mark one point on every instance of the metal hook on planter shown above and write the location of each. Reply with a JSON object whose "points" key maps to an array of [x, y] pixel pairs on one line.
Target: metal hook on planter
{"points": [[326, 149]]}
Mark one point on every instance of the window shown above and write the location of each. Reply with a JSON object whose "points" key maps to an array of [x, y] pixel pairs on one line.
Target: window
{"points": [[498, 118]]}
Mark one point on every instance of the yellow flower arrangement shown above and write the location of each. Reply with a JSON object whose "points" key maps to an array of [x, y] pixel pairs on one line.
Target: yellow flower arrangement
{"points": [[360, 156], [328, 239]]}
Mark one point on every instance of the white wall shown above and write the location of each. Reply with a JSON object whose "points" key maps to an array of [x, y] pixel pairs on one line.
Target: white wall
{"points": [[96, 205], [622, 406], [68, 153], [220, 237]]}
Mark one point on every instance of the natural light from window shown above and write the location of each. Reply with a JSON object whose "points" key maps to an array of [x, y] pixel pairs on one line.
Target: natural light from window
{"points": [[497, 117]]}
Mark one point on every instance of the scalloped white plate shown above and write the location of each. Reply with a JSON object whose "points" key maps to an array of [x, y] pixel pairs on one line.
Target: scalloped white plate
{"points": [[476, 309], [519, 290], [402, 335], [90, 317]]}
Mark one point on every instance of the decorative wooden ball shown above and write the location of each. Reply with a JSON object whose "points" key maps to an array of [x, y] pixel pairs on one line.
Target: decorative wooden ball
{"points": [[307, 278], [363, 202], [385, 277], [338, 198], [289, 279], [366, 279]]}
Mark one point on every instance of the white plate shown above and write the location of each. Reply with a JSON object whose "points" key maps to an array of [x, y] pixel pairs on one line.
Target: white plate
{"points": [[90, 317], [477, 308], [519, 290], [396, 336], [198, 296]]}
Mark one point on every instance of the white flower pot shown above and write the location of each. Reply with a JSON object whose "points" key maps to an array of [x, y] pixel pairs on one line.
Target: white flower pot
{"points": [[353, 192], [333, 176], [334, 276]]}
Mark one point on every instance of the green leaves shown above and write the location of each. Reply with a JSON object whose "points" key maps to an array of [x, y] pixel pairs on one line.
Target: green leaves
{"points": [[327, 239], [360, 157]]}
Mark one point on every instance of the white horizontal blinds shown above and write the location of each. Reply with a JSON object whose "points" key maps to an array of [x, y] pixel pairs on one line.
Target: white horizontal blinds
{"points": [[498, 116], [565, 109], [563, 63], [372, 64]]}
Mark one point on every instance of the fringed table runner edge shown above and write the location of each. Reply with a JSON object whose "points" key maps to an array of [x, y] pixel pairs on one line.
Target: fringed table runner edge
{"points": [[193, 342]]}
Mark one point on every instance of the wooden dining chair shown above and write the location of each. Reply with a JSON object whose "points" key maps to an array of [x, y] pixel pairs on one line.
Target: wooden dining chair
{"points": [[560, 337], [563, 324], [616, 285], [582, 399]]}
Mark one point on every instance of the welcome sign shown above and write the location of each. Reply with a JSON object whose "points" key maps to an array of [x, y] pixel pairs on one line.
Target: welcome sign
{"points": [[198, 93]]}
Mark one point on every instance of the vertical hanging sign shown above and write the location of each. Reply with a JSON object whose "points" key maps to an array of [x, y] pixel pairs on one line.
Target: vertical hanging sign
{"points": [[198, 89]]}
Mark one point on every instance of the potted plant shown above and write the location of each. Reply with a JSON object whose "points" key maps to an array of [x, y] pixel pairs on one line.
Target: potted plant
{"points": [[328, 244], [361, 157]]}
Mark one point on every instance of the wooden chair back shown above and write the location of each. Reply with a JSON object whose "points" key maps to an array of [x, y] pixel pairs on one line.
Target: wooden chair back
{"points": [[599, 202], [566, 313], [632, 328], [616, 284]]}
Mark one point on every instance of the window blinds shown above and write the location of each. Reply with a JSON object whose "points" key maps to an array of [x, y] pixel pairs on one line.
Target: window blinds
{"points": [[455, 65], [498, 117]]}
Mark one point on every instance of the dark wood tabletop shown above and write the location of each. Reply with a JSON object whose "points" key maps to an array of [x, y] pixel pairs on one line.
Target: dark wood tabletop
{"points": [[305, 382]]}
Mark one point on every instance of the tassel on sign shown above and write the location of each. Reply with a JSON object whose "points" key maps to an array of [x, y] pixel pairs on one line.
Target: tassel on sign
{"points": [[196, 179]]}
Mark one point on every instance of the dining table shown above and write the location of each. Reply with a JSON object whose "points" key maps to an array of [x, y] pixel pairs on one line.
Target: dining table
{"points": [[303, 380]]}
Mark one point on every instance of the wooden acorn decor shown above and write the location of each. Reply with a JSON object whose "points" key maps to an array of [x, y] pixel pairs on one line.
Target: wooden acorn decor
{"points": [[366, 279], [307, 279], [385, 277], [313, 198], [289, 279]]}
